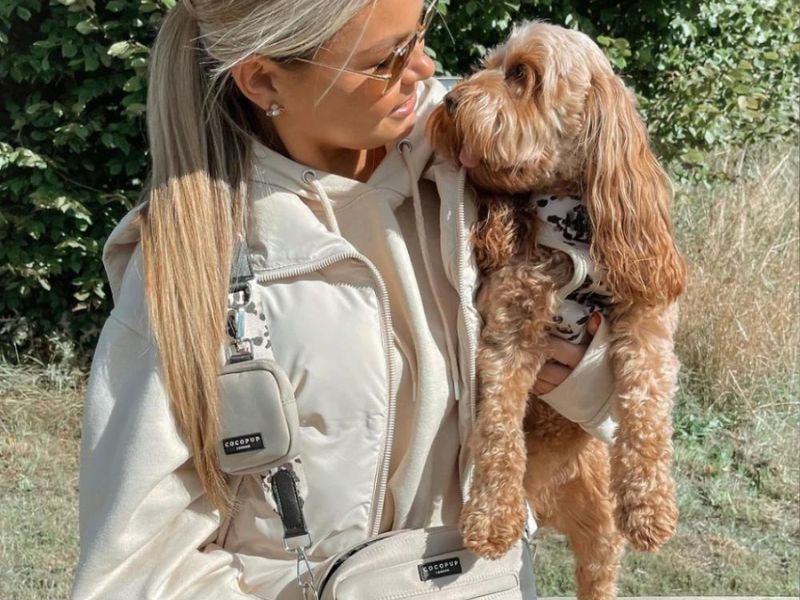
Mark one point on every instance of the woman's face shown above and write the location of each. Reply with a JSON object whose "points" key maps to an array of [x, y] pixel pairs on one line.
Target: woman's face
{"points": [[327, 110]]}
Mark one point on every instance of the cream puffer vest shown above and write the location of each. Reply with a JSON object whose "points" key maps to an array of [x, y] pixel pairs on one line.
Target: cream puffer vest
{"points": [[147, 530]]}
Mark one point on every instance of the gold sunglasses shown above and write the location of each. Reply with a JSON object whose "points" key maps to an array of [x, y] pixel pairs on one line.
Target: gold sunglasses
{"points": [[391, 69]]}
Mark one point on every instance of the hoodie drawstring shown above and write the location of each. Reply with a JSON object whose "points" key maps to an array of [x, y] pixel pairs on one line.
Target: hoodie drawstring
{"points": [[405, 148], [310, 177]]}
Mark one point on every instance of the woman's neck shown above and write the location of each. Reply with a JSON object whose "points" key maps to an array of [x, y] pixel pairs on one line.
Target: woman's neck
{"points": [[368, 162], [353, 164]]}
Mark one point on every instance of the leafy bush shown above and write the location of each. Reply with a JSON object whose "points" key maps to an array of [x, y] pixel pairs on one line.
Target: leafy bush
{"points": [[73, 154], [709, 74]]}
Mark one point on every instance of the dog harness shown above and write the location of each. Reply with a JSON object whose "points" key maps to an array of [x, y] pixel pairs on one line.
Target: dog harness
{"points": [[564, 225]]}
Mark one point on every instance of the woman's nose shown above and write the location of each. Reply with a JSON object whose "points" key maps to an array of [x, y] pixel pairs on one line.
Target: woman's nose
{"points": [[420, 66]]}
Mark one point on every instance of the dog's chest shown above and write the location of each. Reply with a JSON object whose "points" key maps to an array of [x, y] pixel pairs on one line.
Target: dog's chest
{"points": [[563, 224]]}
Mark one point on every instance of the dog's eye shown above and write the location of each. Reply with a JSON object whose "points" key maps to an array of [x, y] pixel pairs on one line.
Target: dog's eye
{"points": [[517, 72]]}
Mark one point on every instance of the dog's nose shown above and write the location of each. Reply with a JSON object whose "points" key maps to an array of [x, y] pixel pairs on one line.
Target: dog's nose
{"points": [[450, 103]]}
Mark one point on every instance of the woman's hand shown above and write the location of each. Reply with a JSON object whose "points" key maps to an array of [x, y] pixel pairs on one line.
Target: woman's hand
{"points": [[565, 357]]}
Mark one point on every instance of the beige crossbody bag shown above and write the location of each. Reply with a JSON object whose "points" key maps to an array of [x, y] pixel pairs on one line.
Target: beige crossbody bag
{"points": [[259, 425]]}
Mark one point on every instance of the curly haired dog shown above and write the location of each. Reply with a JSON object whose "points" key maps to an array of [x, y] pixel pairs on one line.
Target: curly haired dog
{"points": [[547, 117]]}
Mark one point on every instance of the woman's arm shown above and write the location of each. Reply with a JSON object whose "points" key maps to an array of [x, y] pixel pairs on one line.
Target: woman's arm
{"points": [[146, 527], [578, 382], [565, 357]]}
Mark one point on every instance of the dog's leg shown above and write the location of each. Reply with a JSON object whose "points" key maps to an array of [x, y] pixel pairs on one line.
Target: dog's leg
{"points": [[588, 522], [573, 498], [646, 370], [517, 302]]}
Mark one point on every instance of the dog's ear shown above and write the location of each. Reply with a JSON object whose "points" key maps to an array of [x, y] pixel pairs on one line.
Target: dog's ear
{"points": [[628, 196], [495, 235]]}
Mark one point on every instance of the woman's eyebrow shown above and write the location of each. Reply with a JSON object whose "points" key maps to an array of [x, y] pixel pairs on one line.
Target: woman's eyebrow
{"points": [[392, 42], [387, 44]]}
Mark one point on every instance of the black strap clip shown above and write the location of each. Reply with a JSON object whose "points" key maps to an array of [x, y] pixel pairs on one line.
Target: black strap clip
{"points": [[283, 482], [296, 538]]}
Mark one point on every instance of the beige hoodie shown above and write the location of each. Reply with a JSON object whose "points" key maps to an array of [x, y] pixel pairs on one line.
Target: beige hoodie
{"points": [[376, 329]]}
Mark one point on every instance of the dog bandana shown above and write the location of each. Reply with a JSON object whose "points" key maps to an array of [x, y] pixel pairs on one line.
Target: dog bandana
{"points": [[564, 225]]}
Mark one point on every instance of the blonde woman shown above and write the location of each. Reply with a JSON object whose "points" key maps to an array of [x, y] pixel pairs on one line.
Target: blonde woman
{"points": [[300, 125]]}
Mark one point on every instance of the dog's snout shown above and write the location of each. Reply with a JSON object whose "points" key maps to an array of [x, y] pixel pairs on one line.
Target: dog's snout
{"points": [[450, 103]]}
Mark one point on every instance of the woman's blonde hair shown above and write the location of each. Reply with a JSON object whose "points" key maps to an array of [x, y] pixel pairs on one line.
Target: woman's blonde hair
{"points": [[200, 127]]}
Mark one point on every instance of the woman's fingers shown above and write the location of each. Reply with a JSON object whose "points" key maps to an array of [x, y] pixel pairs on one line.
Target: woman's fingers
{"points": [[565, 352], [594, 323], [550, 377], [564, 356], [570, 354]]}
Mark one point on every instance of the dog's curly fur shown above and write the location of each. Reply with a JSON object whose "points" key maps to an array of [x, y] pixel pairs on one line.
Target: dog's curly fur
{"points": [[548, 115]]}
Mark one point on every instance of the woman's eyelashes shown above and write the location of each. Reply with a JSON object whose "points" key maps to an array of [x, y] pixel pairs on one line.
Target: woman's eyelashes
{"points": [[384, 64]]}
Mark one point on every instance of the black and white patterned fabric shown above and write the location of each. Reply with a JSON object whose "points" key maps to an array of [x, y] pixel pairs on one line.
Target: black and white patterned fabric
{"points": [[564, 225]]}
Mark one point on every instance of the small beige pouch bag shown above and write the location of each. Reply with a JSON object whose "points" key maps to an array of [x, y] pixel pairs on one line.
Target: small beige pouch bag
{"points": [[427, 563]]}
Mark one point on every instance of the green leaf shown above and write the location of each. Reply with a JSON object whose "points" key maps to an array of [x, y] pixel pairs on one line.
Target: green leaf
{"points": [[693, 156], [134, 84], [68, 50], [119, 49], [87, 26], [91, 63]]}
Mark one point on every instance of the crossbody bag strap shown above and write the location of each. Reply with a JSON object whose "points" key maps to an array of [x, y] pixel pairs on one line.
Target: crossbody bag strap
{"points": [[282, 482], [241, 269]]}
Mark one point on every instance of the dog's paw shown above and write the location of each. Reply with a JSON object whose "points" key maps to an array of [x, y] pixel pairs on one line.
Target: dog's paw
{"points": [[491, 533], [647, 523]]}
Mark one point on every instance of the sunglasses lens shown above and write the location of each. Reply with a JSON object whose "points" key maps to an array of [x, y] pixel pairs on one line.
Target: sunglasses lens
{"points": [[403, 55], [400, 62]]}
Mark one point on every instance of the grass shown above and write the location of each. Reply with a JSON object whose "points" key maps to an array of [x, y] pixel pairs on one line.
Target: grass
{"points": [[739, 338], [737, 459], [39, 441], [737, 455], [738, 531]]}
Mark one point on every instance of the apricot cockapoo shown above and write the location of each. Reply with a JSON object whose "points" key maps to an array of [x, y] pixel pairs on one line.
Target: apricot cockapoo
{"points": [[546, 126]]}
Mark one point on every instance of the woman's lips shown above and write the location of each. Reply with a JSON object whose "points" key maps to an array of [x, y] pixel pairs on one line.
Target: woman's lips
{"points": [[401, 111]]}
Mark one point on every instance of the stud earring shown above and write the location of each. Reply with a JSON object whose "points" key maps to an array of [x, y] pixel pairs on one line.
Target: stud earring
{"points": [[274, 110]]}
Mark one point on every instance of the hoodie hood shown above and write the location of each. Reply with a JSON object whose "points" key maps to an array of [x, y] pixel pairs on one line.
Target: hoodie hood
{"points": [[282, 230], [119, 248]]}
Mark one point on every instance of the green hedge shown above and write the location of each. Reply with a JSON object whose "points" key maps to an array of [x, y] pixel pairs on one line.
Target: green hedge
{"points": [[73, 158], [709, 75]]}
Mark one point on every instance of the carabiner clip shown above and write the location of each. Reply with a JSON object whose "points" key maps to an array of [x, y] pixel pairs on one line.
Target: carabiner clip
{"points": [[306, 580]]}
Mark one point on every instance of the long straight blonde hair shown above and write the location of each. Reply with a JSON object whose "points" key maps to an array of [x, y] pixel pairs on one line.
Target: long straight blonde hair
{"points": [[200, 127]]}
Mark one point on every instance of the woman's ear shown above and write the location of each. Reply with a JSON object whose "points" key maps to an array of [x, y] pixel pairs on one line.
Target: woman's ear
{"points": [[256, 78], [628, 196]]}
